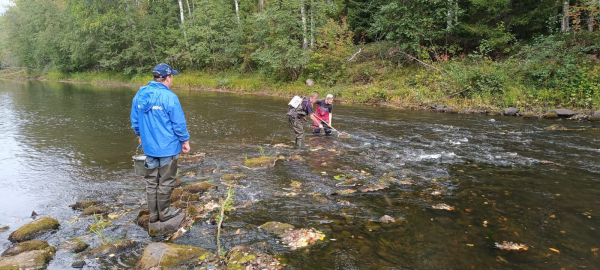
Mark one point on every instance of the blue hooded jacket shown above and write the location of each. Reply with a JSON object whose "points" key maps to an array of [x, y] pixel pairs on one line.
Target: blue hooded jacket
{"points": [[157, 117]]}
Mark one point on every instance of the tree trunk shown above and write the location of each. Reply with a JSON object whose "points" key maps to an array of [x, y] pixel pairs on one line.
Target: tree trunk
{"points": [[449, 16], [312, 25], [262, 5], [189, 9], [183, 23], [565, 19], [237, 11], [305, 40], [591, 19]]}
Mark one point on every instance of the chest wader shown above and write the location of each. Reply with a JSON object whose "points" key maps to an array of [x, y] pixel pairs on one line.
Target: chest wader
{"points": [[296, 115], [160, 182]]}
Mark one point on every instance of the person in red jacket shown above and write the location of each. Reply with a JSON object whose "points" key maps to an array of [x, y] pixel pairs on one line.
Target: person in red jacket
{"points": [[325, 112]]}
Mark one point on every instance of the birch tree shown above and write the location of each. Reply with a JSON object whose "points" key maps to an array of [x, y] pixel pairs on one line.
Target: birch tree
{"points": [[312, 24], [303, 13], [564, 27], [237, 11]]}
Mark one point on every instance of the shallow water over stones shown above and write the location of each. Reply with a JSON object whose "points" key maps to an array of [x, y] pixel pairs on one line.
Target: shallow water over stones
{"points": [[507, 180]]}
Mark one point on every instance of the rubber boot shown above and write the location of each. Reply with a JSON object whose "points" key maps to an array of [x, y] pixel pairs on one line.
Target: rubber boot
{"points": [[151, 190], [164, 211], [166, 184]]}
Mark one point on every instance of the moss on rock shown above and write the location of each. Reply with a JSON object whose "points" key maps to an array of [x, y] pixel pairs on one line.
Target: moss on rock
{"points": [[143, 221], [260, 162], [183, 196], [143, 212], [276, 227], [24, 247], [172, 256], [94, 210], [550, 115], [199, 187], [232, 177], [85, 204], [32, 229]]}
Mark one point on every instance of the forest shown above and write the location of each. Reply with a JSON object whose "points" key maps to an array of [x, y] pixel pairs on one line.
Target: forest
{"points": [[532, 54]]}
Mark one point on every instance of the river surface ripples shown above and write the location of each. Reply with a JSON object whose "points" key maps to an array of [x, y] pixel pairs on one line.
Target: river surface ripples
{"points": [[507, 179]]}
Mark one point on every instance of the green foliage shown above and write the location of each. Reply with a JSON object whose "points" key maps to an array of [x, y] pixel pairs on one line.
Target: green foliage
{"points": [[226, 206], [99, 227]]}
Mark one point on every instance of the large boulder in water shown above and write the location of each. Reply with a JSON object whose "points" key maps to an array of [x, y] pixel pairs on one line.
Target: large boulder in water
{"points": [[511, 111], [172, 256], [243, 257], [595, 116], [32, 229], [565, 112], [34, 259], [26, 246]]}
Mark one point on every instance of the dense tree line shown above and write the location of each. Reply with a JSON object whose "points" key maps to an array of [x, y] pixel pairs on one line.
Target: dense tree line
{"points": [[281, 38]]}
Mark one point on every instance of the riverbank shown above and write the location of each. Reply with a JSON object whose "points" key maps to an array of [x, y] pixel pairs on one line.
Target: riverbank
{"points": [[472, 84]]}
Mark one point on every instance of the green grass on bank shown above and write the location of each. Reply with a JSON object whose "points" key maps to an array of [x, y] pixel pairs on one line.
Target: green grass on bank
{"points": [[482, 84]]}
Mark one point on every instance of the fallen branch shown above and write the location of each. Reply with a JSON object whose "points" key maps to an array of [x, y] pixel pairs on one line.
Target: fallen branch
{"points": [[355, 54], [420, 62]]}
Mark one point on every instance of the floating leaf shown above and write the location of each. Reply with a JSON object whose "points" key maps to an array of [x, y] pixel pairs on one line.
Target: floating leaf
{"points": [[555, 250], [511, 246]]}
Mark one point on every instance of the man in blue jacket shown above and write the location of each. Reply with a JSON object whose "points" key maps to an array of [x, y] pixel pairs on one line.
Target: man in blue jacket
{"points": [[158, 120]]}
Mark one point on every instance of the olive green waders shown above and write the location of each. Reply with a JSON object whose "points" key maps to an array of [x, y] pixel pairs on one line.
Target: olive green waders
{"points": [[297, 125], [160, 183]]}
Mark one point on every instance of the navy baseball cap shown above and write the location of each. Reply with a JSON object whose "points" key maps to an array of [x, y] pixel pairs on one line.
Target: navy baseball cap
{"points": [[163, 70]]}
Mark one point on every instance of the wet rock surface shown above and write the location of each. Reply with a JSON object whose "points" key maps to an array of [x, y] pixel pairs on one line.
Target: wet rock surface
{"points": [[35, 259], [94, 210], [172, 256], [85, 204], [260, 162], [108, 249], [74, 245], [33, 229]]}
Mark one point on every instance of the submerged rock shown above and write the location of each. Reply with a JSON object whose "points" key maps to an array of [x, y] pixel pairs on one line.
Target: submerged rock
{"points": [[555, 127], [260, 162], [172, 256], [511, 111], [565, 112], [85, 204], [108, 248], [25, 246], [199, 188], [74, 245], [550, 115], [296, 157], [344, 192], [33, 229], [4, 228], [35, 259], [529, 115], [243, 257], [94, 210], [276, 227], [232, 176], [386, 219], [374, 187], [349, 183]]}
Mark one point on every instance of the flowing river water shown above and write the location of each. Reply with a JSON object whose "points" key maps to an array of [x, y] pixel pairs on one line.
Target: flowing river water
{"points": [[507, 178]]}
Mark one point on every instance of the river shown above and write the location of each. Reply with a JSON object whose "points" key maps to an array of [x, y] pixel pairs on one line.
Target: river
{"points": [[508, 179]]}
